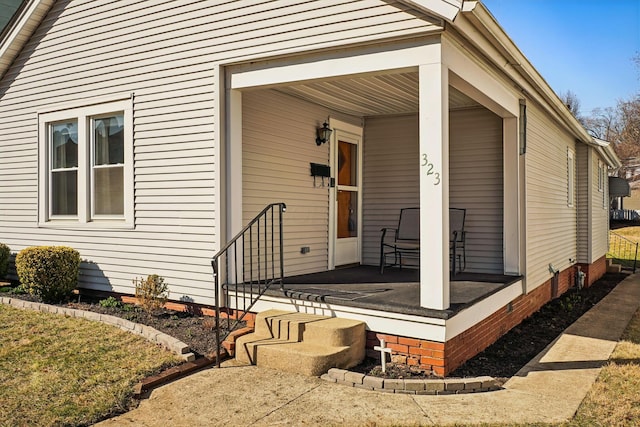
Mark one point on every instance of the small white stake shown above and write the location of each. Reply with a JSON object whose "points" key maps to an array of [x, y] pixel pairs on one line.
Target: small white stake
{"points": [[383, 354]]}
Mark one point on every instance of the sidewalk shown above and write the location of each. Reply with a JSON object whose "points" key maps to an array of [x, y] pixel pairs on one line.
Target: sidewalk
{"points": [[548, 389]]}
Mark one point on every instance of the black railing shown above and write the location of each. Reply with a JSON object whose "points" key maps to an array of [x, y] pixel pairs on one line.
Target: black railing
{"points": [[624, 215], [622, 251], [252, 261]]}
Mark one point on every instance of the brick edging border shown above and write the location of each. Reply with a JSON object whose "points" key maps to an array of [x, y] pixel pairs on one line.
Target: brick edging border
{"points": [[411, 386], [150, 334]]}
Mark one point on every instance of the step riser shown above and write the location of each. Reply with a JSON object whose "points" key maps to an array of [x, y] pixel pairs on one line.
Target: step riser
{"points": [[307, 344], [299, 327]]}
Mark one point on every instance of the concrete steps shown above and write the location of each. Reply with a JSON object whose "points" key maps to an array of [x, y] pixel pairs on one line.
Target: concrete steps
{"points": [[302, 343], [613, 268]]}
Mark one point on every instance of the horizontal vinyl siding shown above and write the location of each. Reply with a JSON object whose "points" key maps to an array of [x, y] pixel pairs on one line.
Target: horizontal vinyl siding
{"points": [[600, 210], [551, 224], [278, 147], [174, 151], [476, 184], [390, 177], [163, 53], [585, 191]]}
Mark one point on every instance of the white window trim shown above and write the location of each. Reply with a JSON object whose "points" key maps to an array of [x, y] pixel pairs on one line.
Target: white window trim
{"points": [[571, 178], [83, 114], [603, 181], [600, 176]]}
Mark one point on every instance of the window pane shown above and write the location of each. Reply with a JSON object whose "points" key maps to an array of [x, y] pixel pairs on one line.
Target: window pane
{"points": [[64, 145], [109, 140], [109, 191], [347, 164], [64, 192], [347, 214]]}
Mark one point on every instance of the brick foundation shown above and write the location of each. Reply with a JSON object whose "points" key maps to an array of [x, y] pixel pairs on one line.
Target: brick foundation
{"points": [[594, 271], [444, 358]]}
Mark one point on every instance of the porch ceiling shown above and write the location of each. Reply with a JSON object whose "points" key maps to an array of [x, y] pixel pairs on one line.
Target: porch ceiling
{"points": [[384, 94]]}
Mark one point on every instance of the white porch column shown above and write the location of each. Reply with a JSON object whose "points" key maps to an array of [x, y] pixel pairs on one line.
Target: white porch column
{"points": [[511, 197], [234, 163], [233, 173], [434, 186]]}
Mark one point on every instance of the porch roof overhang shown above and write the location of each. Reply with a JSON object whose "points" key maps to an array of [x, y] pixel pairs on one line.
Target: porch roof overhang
{"points": [[374, 95]]}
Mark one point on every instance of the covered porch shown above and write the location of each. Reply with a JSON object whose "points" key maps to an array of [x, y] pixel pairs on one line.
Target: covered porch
{"points": [[425, 127]]}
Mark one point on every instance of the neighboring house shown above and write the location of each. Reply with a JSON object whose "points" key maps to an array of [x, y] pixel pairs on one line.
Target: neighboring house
{"points": [[631, 168], [146, 134]]}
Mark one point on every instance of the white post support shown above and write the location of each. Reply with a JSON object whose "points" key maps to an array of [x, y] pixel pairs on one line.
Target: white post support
{"points": [[434, 185], [234, 171], [511, 196]]}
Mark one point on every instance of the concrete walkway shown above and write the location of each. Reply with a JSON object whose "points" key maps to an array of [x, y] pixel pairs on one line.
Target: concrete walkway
{"points": [[549, 389]]}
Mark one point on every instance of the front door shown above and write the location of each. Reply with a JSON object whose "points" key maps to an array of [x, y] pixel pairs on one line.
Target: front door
{"points": [[347, 167]]}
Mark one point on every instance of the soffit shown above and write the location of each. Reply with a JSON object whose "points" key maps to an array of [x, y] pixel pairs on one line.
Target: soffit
{"points": [[384, 94]]}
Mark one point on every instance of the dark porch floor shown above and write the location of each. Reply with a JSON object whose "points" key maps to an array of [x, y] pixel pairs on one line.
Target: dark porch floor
{"points": [[396, 291]]}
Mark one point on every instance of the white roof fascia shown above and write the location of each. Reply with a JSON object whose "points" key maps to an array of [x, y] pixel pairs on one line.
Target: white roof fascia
{"points": [[445, 9], [20, 29], [482, 21], [606, 151]]}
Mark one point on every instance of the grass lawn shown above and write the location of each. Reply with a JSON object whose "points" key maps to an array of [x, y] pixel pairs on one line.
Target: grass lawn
{"points": [[614, 400], [631, 233], [56, 370], [623, 251]]}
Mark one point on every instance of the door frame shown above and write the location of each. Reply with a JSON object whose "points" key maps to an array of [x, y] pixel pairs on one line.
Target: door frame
{"points": [[353, 132]]}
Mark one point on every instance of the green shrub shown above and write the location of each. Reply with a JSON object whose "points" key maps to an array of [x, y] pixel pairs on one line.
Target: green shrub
{"points": [[50, 272], [5, 252], [152, 292]]}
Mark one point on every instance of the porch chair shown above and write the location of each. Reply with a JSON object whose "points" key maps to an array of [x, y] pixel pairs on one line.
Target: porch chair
{"points": [[457, 239], [406, 239]]}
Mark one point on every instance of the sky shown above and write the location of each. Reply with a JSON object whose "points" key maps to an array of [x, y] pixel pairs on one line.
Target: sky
{"points": [[585, 46]]}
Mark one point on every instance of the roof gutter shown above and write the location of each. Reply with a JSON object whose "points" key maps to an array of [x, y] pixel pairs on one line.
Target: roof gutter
{"points": [[19, 29], [482, 21], [445, 9], [607, 152]]}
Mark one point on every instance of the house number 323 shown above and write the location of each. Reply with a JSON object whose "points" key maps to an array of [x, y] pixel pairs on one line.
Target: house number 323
{"points": [[429, 166]]}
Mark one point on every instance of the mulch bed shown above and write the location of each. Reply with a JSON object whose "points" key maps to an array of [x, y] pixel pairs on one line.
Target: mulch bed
{"points": [[505, 357], [198, 332], [501, 360]]}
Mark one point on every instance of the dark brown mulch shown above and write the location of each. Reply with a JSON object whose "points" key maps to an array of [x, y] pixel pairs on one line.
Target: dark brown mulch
{"points": [[505, 357], [198, 332]]}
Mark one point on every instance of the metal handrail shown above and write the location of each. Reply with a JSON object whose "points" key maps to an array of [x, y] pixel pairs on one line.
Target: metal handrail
{"points": [[620, 248], [248, 269]]}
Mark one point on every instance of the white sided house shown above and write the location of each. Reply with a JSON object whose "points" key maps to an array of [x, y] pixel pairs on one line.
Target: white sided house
{"points": [[147, 134]]}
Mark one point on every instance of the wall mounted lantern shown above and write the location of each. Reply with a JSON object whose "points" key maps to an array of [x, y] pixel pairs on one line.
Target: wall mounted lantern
{"points": [[324, 133]]}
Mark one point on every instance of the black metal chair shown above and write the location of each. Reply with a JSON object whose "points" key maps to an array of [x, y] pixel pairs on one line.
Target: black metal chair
{"points": [[406, 239], [457, 239]]}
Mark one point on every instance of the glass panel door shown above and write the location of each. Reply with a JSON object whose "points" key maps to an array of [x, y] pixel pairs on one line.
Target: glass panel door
{"points": [[347, 190], [347, 239]]}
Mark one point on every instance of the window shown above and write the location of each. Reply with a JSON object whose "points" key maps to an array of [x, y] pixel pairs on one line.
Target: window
{"points": [[86, 165], [108, 165], [570, 178], [64, 168], [600, 176], [602, 182]]}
